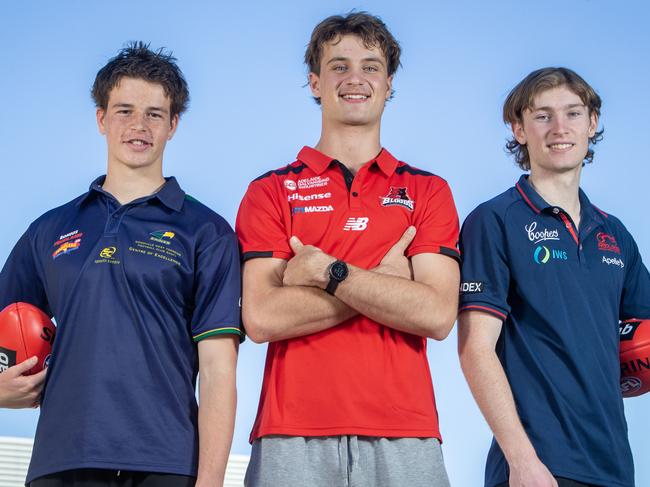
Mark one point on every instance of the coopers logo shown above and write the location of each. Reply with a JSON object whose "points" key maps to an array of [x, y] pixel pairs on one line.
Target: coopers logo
{"points": [[541, 235], [613, 261], [543, 254]]}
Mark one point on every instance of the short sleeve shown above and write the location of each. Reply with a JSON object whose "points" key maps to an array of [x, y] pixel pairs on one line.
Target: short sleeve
{"points": [[261, 224], [20, 280], [635, 299], [485, 273], [218, 289], [437, 225]]}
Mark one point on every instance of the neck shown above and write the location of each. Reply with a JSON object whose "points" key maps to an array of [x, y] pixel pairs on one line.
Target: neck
{"points": [[351, 145], [560, 190], [128, 184]]}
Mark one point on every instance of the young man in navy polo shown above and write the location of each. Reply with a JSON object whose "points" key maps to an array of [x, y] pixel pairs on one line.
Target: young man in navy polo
{"points": [[144, 284], [328, 243], [546, 277]]}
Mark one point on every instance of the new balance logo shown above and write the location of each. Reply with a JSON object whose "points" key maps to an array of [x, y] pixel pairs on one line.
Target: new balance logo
{"points": [[358, 224]]}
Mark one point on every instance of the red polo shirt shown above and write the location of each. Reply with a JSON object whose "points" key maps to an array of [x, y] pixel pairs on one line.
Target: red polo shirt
{"points": [[359, 377]]}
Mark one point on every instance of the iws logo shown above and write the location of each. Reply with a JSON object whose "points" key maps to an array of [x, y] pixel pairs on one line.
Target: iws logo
{"points": [[543, 254], [398, 196], [607, 242], [539, 236], [358, 224], [107, 252]]}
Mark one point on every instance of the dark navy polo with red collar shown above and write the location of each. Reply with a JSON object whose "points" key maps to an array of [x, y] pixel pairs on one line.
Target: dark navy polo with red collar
{"points": [[560, 292], [132, 288]]}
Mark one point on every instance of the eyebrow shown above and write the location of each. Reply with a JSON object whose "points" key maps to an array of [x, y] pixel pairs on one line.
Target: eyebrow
{"points": [[151, 109], [374, 59], [565, 107]]}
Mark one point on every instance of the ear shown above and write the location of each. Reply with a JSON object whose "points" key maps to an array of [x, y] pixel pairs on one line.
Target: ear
{"points": [[519, 132], [314, 85], [593, 124], [99, 114], [389, 83], [173, 126]]}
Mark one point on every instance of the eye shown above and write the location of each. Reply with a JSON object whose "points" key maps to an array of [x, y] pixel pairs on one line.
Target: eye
{"points": [[339, 68], [543, 117], [371, 69], [123, 111], [155, 115], [574, 114]]}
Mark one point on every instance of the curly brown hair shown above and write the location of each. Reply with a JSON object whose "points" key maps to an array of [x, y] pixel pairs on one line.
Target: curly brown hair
{"points": [[522, 96], [371, 29], [137, 60]]}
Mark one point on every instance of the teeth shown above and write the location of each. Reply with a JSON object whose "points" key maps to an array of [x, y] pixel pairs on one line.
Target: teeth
{"points": [[138, 142], [560, 146], [355, 97]]}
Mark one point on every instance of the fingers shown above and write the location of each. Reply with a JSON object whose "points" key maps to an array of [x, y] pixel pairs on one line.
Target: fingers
{"points": [[38, 379], [296, 244], [24, 366], [404, 241]]}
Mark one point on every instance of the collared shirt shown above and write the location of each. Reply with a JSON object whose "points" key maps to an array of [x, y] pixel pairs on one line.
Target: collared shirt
{"points": [[560, 292], [132, 287], [358, 377]]}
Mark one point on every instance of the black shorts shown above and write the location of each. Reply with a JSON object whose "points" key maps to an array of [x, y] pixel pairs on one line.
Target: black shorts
{"points": [[561, 482], [90, 477]]}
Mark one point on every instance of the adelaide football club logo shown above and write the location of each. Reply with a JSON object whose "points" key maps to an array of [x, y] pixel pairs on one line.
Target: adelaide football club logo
{"points": [[398, 196]]}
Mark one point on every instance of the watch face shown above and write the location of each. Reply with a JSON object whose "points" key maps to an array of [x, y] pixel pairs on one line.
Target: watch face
{"points": [[339, 270]]}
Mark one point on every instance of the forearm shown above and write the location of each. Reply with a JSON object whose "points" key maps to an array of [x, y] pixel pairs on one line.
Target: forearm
{"points": [[491, 389], [403, 304], [292, 311], [217, 403]]}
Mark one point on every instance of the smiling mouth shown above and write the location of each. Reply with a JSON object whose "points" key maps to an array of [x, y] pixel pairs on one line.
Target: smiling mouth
{"points": [[562, 146], [355, 97], [138, 143]]}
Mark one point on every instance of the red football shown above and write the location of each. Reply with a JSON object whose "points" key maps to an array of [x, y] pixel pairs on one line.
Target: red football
{"points": [[635, 357], [25, 331]]}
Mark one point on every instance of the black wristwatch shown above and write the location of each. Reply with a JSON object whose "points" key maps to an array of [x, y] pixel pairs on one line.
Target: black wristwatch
{"points": [[338, 271]]}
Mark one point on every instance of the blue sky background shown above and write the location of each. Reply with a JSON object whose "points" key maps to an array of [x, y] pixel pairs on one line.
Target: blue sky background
{"points": [[250, 112]]}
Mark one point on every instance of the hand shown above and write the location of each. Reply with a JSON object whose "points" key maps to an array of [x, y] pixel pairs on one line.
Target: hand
{"points": [[308, 267], [395, 263], [533, 473], [18, 390]]}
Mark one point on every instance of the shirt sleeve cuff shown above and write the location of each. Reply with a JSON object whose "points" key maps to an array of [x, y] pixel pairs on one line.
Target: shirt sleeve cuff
{"points": [[226, 330]]}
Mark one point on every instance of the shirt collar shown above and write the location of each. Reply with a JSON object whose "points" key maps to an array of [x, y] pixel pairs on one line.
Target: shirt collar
{"points": [[538, 204], [170, 194], [318, 162]]}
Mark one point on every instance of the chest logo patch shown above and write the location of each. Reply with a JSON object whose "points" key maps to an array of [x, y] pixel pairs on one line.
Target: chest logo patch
{"points": [[543, 254], [358, 224], [290, 184], [398, 196], [106, 256], [607, 243], [313, 182], [162, 236], [67, 243], [537, 236]]}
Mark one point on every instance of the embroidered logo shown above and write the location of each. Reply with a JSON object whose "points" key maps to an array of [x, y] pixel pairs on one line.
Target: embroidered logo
{"points": [[398, 196], [290, 184], [607, 242], [541, 235], [543, 254], [67, 243], [358, 224]]}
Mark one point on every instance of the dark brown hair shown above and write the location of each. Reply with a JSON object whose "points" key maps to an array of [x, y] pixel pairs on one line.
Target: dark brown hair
{"points": [[522, 96], [136, 60], [372, 31]]}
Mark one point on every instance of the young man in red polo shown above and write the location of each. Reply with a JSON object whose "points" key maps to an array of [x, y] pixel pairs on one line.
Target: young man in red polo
{"points": [[350, 264]]}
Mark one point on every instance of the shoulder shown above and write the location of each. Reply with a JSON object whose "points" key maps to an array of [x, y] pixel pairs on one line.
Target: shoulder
{"points": [[52, 218], [495, 209], [204, 218]]}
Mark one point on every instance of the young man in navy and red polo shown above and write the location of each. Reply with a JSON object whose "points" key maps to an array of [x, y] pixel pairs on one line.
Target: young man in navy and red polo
{"points": [[350, 264], [546, 277], [144, 284]]}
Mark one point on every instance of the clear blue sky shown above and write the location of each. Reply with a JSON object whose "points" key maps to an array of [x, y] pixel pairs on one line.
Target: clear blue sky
{"points": [[250, 112]]}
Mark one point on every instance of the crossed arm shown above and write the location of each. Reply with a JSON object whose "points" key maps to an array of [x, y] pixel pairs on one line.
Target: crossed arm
{"points": [[478, 333], [287, 299]]}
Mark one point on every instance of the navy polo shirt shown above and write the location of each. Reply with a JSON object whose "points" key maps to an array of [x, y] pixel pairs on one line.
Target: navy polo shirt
{"points": [[560, 292], [132, 288]]}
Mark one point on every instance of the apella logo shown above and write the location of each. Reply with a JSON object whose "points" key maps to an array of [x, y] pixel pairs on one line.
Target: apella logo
{"points": [[543, 254]]}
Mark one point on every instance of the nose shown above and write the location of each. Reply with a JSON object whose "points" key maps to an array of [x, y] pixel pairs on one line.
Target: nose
{"points": [[355, 76], [560, 125], [139, 121]]}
